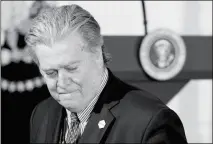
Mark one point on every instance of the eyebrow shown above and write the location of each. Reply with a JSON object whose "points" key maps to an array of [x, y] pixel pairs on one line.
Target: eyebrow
{"points": [[71, 63], [47, 70], [66, 65]]}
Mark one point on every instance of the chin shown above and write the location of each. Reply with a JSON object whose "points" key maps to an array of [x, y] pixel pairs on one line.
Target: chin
{"points": [[71, 109], [73, 106]]}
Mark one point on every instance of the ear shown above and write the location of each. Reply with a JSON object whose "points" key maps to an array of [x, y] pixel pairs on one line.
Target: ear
{"points": [[98, 55]]}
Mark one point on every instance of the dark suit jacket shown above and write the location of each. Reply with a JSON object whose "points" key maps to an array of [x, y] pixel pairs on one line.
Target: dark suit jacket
{"points": [[131, 116]]}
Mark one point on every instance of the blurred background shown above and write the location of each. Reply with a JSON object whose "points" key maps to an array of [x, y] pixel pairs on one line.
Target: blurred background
{"points": [[189, 93]]}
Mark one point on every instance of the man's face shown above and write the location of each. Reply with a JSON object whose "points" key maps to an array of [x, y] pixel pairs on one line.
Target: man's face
{"points": [[72, 74]]}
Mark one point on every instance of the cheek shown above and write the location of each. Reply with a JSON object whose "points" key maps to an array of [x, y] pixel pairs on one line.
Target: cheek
{"points": [[89, 80], [78, 82], [51, 84]]}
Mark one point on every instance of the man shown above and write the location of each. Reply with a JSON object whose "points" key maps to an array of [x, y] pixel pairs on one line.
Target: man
{"points": [[89, 104]]}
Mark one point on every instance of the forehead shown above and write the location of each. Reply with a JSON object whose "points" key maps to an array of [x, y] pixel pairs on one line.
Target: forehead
{"points": [[61, 53]]}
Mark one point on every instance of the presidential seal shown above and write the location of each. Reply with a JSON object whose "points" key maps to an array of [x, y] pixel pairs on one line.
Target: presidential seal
{"points": [[162, 54]]}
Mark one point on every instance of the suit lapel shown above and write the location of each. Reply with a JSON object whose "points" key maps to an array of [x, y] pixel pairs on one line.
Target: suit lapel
{"points": [[102, 113], [93, 132], [55, 122]]}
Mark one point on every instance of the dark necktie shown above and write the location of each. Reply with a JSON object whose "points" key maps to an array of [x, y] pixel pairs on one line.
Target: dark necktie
{"points": [[74, 130]]}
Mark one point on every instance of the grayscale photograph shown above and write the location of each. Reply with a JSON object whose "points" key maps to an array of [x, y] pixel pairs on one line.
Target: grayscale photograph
{"points": [[112, 72]]}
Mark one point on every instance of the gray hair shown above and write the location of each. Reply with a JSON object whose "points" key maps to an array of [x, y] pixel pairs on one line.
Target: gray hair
{"points": [[56, 23]]}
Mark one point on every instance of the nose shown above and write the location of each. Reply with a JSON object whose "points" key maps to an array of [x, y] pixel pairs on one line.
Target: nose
{"points": [[63, 80]]}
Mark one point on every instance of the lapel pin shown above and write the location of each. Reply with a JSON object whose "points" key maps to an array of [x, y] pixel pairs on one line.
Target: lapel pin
{"points": [[101, 124]]}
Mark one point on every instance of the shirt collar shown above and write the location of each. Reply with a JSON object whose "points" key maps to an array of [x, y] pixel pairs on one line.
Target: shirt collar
{"points": [[84, 114]]}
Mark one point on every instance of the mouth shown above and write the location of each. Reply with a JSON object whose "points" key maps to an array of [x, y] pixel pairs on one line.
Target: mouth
{"points": [[69, 92], [62, 93], [67, 95]]}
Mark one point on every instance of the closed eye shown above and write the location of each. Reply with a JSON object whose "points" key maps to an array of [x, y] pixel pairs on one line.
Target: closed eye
{"points": [[51, 73], [71, 68]]}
